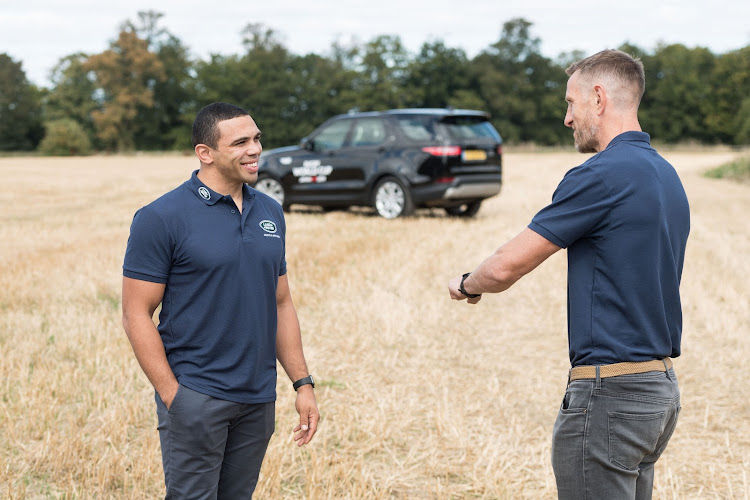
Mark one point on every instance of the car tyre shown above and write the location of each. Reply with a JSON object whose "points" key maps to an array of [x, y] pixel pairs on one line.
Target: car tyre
{"points": [[273, 188], [465, 210], [391, 199]]}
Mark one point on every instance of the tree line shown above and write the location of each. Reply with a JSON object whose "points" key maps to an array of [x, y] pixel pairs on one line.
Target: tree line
{"points": [[144, 90]]}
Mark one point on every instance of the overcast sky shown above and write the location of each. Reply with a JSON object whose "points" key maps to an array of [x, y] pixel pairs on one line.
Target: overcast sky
{"points": [[40, 32]]}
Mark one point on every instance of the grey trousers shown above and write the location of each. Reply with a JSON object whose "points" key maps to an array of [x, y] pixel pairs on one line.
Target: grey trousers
{"points": [[610, 432], [211, 448]]}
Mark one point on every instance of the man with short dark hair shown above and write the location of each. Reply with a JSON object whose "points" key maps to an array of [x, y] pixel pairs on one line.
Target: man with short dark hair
{"points": [[624, 218], [212, 253]]}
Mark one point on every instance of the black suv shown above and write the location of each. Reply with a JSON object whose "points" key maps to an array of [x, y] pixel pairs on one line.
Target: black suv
{"points": [[393, 160]]}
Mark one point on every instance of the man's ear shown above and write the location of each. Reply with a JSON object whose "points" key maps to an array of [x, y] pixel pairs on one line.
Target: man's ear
{"points": [[203, 153], [600, 99]]}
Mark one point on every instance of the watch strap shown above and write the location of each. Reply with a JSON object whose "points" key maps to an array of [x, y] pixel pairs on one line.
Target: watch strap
{"points": [[304, 381], [463, 290]]}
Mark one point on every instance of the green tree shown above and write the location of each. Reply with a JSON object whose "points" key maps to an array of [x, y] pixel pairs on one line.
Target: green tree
{"points": [[261, 81], [727, 117], [524, 90], [565, 59], [677, 94], [65, 137], [20, 108], [287, 95], [72, 93], [166, 123], [125, 77], [379, 70], [321, 88], [440, 76], [742, 123]]}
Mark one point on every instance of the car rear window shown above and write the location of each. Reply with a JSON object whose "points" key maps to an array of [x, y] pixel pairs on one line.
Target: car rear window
{"points": [[469, 127], [427, 128], [418, 128]]}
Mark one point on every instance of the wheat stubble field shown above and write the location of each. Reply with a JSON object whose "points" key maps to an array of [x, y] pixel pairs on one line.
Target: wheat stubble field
{"points": [[421, 397]]}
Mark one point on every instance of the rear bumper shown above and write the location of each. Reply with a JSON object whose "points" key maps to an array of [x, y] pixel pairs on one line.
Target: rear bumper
{"points": [[463, 189], [475, 190]]}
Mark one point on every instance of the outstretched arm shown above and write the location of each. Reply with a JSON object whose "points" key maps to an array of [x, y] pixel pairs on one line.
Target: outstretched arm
{"points": [[508, 264], [292, 359]]}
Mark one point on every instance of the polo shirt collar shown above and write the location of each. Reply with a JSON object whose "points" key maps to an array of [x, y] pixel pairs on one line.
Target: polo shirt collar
{"points": [[630, 136], [203, 192], [211, 197]]}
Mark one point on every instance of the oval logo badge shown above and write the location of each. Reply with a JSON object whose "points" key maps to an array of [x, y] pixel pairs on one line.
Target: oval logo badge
{"points": [[268, 226], [205, 194]]}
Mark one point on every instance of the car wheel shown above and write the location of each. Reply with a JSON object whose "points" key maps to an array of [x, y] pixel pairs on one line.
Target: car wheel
{"points": [[391, 199], [465, 210], [273, 188]]}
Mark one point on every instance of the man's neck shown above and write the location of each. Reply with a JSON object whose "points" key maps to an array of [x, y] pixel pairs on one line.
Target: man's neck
{"points": [[609, 132]]}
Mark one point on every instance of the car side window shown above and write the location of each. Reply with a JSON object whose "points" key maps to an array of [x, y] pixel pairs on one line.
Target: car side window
{"points": [[332, 136], [368, 132]]}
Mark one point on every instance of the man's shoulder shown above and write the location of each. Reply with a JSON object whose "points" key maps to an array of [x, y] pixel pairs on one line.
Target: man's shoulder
{"points": [[165, 213], [591, 167], [171, 202], [625, 151]]}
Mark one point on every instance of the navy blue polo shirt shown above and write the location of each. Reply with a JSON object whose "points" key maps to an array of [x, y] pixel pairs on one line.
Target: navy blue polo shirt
{"points": [[623, 216], [221, 269]]}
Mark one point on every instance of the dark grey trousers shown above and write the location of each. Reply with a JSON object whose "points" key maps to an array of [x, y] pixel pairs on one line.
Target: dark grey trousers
{"points": [[609, 434], [211, 448]]}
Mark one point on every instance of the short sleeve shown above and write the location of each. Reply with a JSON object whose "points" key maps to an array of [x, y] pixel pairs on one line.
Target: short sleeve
{"points": [[148, 256], [579, 207]]}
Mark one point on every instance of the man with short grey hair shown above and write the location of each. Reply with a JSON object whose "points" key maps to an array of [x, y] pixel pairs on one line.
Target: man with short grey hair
{"points": [[624, 218]]}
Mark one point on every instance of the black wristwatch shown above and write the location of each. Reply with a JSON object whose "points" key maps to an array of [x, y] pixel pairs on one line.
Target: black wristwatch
{"points": [[304, 381], [463, 290]]}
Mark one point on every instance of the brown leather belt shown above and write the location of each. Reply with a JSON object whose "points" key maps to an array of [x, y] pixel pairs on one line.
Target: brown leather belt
{"points": [[627, 368]]}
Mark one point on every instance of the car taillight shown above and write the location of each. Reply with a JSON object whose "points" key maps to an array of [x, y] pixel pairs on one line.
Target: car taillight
{"points": [[500, 150], [443, 150], [444, 180]]}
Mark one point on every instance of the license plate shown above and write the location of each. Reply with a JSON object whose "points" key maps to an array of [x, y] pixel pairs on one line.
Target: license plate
{"points": [[474, 155]]}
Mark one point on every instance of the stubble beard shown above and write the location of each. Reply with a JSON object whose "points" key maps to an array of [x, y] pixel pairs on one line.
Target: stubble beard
{"points": [[585, 138]]}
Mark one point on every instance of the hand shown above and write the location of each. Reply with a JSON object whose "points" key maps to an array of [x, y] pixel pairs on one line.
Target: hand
{"points": [[456, 293], [308, 415], [167, 396]]}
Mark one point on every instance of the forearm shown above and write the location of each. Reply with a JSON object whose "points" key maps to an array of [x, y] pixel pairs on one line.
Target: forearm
{"points": [[292, 359], [149, 351], [505, 266], [289, 342], [495, 274]]}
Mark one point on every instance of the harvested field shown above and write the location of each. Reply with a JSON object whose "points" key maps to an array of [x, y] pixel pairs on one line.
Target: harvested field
{"points": [[421, 397]]}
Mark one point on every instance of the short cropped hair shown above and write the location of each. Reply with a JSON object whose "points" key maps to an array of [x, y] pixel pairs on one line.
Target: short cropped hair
{"points": [[616, 64], [205, 129]]}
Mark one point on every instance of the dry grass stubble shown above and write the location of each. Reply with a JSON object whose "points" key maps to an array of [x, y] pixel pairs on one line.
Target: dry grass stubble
{"points": [[421, 397]]}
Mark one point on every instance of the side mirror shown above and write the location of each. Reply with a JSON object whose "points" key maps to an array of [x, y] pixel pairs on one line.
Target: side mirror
{"points": [[308, 144]]}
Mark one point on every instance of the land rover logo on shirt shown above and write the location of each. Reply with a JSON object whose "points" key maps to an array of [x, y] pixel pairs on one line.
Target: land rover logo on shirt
{"points": [[268, 226], [204, 193]]}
